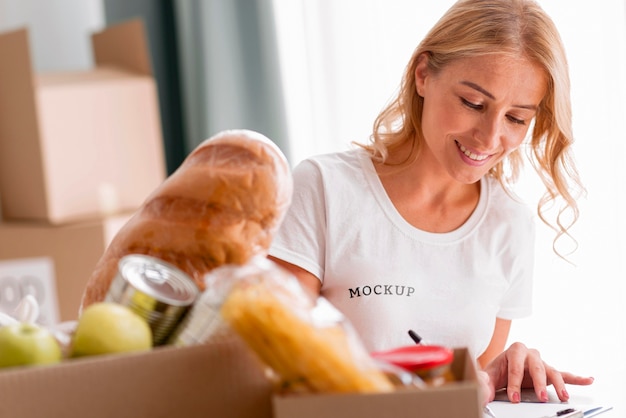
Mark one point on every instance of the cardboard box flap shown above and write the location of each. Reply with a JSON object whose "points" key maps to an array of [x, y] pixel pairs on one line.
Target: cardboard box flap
{"points": [[463, 366], [220, 379], [452, 400], [123, 45], [18, 116]]}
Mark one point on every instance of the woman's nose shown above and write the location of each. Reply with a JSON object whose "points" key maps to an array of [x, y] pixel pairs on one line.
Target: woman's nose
{"points": [[488, 130]]}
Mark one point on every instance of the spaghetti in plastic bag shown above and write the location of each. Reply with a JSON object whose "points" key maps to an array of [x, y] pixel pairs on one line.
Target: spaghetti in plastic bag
{"points": [[304, 340]]}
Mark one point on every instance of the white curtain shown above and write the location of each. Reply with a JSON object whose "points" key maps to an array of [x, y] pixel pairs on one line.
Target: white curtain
{"points": [[342, 60]]}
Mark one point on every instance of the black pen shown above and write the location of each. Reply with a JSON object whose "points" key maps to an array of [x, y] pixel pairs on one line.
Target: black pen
{"points": [[568, 413], [414, 336]]}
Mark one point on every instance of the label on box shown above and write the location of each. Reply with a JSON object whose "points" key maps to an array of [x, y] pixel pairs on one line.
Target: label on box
{"points": [[29, 276]]}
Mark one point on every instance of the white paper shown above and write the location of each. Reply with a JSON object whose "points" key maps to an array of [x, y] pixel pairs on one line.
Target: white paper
{"points": [[531, 408]]}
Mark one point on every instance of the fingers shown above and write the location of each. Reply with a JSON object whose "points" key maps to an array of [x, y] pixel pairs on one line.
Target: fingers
{"points": [[559, 379], [538, 373], [516, 362], [486, 390], [556, 378], [572, 379], [520, 367], [527, 369]]}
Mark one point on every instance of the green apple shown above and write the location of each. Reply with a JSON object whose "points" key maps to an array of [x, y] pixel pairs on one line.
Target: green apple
{"points": [[107, 328], [26, 344]]}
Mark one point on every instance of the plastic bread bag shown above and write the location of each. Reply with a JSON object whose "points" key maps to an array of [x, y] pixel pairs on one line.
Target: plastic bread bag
{"points": [[222, 206], [306, 343]]}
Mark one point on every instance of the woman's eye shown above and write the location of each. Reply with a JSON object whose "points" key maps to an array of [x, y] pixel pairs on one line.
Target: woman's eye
{"points": [[479, 106], [471, 105], [516, 120]]}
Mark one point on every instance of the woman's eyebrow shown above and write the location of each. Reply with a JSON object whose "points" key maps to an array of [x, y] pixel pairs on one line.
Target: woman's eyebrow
{"points": [[478, 88], [491, 96]]}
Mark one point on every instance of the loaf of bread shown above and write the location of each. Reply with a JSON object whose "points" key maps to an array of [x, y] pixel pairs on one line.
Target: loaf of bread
{"points": [[221, 206]]}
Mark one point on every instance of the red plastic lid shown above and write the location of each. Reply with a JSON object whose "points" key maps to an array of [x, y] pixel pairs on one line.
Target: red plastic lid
{"points": [[416, 357]]}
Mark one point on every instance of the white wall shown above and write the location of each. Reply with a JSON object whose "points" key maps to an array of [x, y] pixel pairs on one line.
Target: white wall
{"points": [[59, 30]]}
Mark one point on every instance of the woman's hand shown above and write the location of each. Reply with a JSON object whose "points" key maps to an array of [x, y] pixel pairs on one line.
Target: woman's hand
{"points": [[521, 367]]}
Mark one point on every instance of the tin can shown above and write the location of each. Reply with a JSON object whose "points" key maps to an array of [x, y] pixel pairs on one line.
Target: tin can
{"points": [[157, 291]]}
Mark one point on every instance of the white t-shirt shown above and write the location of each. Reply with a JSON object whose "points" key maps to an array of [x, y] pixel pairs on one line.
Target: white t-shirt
{"points": [[387, 276]]}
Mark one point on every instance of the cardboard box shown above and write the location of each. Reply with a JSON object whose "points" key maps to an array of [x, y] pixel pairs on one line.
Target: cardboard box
{"points": [[74, 249], [79, 144], [452, 400], [222, 380]]}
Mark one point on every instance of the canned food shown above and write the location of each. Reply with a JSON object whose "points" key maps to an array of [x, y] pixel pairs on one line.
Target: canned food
{"points": [[159, 292]]}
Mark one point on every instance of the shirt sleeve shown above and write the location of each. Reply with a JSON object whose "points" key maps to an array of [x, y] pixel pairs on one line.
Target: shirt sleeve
{"points": [[517, 300], [300, 239]]}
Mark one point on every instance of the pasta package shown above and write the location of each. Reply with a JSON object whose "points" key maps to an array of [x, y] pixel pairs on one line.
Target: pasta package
{"points": [[304, 340]]}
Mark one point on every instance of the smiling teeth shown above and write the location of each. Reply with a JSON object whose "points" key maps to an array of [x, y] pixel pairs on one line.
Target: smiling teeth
{"points": [[471, 155]]}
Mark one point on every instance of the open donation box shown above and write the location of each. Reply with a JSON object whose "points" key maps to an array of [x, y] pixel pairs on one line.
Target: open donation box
{"points": [[222, 379]]}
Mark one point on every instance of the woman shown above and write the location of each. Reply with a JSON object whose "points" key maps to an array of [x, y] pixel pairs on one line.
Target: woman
{"points": [[419, 228]]}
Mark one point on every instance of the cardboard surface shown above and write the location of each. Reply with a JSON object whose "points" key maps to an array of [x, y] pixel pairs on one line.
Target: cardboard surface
{"points": [[74, 249], [134, 56], [219, 380], [79, 144], [452, 400]]}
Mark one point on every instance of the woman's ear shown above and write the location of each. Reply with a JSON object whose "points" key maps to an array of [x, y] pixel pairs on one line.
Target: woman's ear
{"points": [[421, 72]]}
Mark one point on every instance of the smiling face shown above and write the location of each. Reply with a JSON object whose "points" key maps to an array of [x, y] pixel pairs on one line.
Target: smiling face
{"points": [[477, 110]]}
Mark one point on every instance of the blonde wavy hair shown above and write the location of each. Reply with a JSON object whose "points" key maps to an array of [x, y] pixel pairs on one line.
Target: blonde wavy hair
{"points": [[481, 27]]}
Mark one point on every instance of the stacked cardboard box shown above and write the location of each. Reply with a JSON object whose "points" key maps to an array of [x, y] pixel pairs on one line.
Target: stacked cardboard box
{"points": [[73, 248], [79, 150]]}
